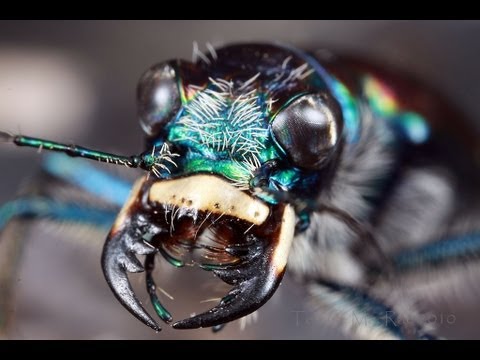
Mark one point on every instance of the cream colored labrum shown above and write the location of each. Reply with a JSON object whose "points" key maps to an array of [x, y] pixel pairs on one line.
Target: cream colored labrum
{"points": [[212, 194]]}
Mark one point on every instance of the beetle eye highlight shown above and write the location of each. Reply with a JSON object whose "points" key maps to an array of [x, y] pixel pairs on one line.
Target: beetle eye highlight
{"points": [[158, 97], [309, 129]]}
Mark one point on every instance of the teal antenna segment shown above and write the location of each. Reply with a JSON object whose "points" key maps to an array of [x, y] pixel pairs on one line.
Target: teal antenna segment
{"points": [[146, 161]]}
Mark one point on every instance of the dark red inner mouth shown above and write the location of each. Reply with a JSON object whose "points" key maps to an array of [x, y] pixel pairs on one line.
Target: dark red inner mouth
{"points": [[195, 237], [210, 240]]}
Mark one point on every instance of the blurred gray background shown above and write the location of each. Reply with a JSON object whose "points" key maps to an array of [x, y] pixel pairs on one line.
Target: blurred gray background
{"points": [[75, 81]]}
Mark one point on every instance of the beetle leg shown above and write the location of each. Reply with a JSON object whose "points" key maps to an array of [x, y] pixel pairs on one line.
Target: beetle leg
{"points": [[448, 250], [444, 271], [40, 207], [363, 315], [90, 178], [43, 207]]}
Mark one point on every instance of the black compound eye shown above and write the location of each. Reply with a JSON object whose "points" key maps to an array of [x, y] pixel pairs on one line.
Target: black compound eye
{"points": [[158, 97], [309, 130]]}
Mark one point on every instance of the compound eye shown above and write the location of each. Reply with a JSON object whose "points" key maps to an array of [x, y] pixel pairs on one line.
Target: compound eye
{"points": [[309, 129], [158, 98]]}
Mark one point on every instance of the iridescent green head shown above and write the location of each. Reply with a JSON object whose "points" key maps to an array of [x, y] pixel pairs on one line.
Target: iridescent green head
{"points": [[261, 116], [238, 145]]}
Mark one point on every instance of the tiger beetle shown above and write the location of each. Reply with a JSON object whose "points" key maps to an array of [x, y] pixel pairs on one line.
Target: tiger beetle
{"points": [[261, 153]]}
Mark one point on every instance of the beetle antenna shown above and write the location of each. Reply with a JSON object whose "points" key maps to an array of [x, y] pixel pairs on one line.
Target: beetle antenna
{"points": [[145, 161]]}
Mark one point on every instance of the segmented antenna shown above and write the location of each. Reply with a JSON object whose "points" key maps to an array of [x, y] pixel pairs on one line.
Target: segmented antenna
{"points": [[146, 161]]}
